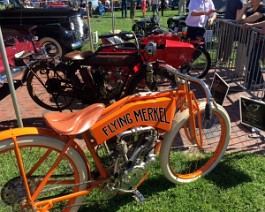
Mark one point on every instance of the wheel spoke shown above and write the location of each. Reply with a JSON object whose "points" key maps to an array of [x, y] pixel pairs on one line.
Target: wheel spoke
{"points": [[185, 159], [49, 88], [37, 161]]}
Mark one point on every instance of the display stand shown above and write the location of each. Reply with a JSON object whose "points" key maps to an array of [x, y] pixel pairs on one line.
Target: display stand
{"points": [[219, 89], [256, 133], [252, 114]]}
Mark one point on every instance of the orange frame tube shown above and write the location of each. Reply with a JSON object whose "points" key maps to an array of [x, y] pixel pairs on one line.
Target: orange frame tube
{"points": [[128, 112]]}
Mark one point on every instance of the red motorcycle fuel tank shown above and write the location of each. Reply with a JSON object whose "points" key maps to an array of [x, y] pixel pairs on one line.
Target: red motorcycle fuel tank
{"points": [[173, 52]]}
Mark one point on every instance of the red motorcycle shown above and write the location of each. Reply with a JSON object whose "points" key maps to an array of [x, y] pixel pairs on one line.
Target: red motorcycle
{"points": [[171, 48], [101, 76]]}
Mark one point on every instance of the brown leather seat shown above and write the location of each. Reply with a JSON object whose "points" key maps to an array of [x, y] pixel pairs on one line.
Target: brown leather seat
{"points": [[76, 122], [77, 55]]}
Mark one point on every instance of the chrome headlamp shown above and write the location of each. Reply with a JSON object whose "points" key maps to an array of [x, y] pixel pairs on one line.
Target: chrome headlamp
{"points": [[150, 49]]}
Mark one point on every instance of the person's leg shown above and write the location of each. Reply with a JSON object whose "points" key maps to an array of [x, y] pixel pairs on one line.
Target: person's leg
{"points": [[254, 75], [194, 32], [125, 8]]}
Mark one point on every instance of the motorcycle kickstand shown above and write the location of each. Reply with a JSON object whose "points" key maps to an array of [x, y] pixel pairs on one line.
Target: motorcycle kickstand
{"points": [[138, 196]]}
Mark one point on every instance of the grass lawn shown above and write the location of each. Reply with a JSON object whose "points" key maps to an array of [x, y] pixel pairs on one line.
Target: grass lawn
{"points": [[236, 184], [103, 24]]}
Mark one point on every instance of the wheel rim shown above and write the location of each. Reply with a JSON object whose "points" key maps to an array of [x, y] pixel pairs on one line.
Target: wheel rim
{"points": [[50, 89], [162, 82], [186, 160], [51, 48], [200, 64], [61, 182]]}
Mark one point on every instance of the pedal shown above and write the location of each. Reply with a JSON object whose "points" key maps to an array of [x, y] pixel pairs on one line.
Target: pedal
{"points": [[138, 196]]}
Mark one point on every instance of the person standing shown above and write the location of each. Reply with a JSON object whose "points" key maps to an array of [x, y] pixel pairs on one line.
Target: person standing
{"points": [[148, 5], [253, 12], [201, 13], [226, 44], [143, 6], [124, 8], [232, 8], [182, 7], [163, 7], [155, 4]]}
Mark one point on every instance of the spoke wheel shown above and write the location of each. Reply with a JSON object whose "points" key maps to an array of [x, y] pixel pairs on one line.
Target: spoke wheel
{"points": [[162, 81], [183, 159], [201, 63], [67, 177], [50, 89]]}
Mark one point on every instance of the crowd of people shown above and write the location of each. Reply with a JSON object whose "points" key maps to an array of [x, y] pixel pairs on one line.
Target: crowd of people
{"points": [[251, 14]]}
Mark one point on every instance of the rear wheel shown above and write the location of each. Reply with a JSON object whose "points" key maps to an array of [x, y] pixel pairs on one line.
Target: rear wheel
{"points": [[182, 159], [49, 88], [161, 81], [38, 155]]}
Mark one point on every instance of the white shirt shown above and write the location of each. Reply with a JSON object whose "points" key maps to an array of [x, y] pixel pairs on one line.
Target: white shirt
{"points": [[201, 6]]}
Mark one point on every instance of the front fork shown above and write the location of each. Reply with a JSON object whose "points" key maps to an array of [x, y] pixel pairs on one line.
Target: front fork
{"points": [[195, 118], [194, 130]]}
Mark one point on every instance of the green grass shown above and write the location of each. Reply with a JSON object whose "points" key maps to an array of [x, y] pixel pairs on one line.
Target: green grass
{"points": [[236, 184], [103, 24]]}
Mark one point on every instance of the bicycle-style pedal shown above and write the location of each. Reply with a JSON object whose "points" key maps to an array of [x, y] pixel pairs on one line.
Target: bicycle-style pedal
{"points": [[138, 196]]}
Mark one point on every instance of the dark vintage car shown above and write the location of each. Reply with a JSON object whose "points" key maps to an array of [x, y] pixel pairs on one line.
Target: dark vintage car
{"points": [[18, 44], [61, 28]]}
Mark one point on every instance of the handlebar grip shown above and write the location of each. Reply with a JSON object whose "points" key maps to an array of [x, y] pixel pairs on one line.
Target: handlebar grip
{"points": [[208, 111], [109, 35]]}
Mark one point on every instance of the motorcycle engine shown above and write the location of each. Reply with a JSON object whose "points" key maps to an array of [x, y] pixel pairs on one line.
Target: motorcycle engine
{"points": [[110, 81], [129, 155]]}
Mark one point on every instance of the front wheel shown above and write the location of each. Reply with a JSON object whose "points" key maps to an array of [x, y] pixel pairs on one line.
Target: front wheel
{"points": [[182, 159], [38, 153], [201, 63]]}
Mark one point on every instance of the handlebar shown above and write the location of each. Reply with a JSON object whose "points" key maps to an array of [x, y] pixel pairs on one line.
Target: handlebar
{"points": [[208, 108], [123, 35]]}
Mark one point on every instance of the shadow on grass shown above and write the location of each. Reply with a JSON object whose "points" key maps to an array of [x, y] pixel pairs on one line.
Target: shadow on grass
{"points": [[227, 176], [148, 188]]}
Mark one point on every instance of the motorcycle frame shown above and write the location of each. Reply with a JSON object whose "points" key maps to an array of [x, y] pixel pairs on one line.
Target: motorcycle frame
{"points": [[171, 101], [171, 48]]}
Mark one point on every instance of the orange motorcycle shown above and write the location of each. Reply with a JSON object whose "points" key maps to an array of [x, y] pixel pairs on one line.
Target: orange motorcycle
{"points": [[47, 170]]}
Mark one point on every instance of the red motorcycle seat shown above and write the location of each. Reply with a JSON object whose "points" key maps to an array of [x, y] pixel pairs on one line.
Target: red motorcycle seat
{"points": [[76, 122]]}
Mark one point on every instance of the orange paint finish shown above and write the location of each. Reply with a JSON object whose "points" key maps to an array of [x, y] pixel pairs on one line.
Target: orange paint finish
{"points": [[156, 112]]}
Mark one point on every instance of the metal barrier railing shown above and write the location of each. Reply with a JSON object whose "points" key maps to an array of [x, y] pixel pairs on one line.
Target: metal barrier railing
{"points": [[240, 53]]}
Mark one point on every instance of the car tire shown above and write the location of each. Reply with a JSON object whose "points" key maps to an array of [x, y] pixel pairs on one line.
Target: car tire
{"points": [[51, 46]]}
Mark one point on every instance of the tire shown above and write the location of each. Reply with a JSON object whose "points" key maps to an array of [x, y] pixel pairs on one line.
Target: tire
{"points": [[49, 88], [181, 159], [201, 63], [162, 81], [51, 46], [138, 31], [72, 168]]}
